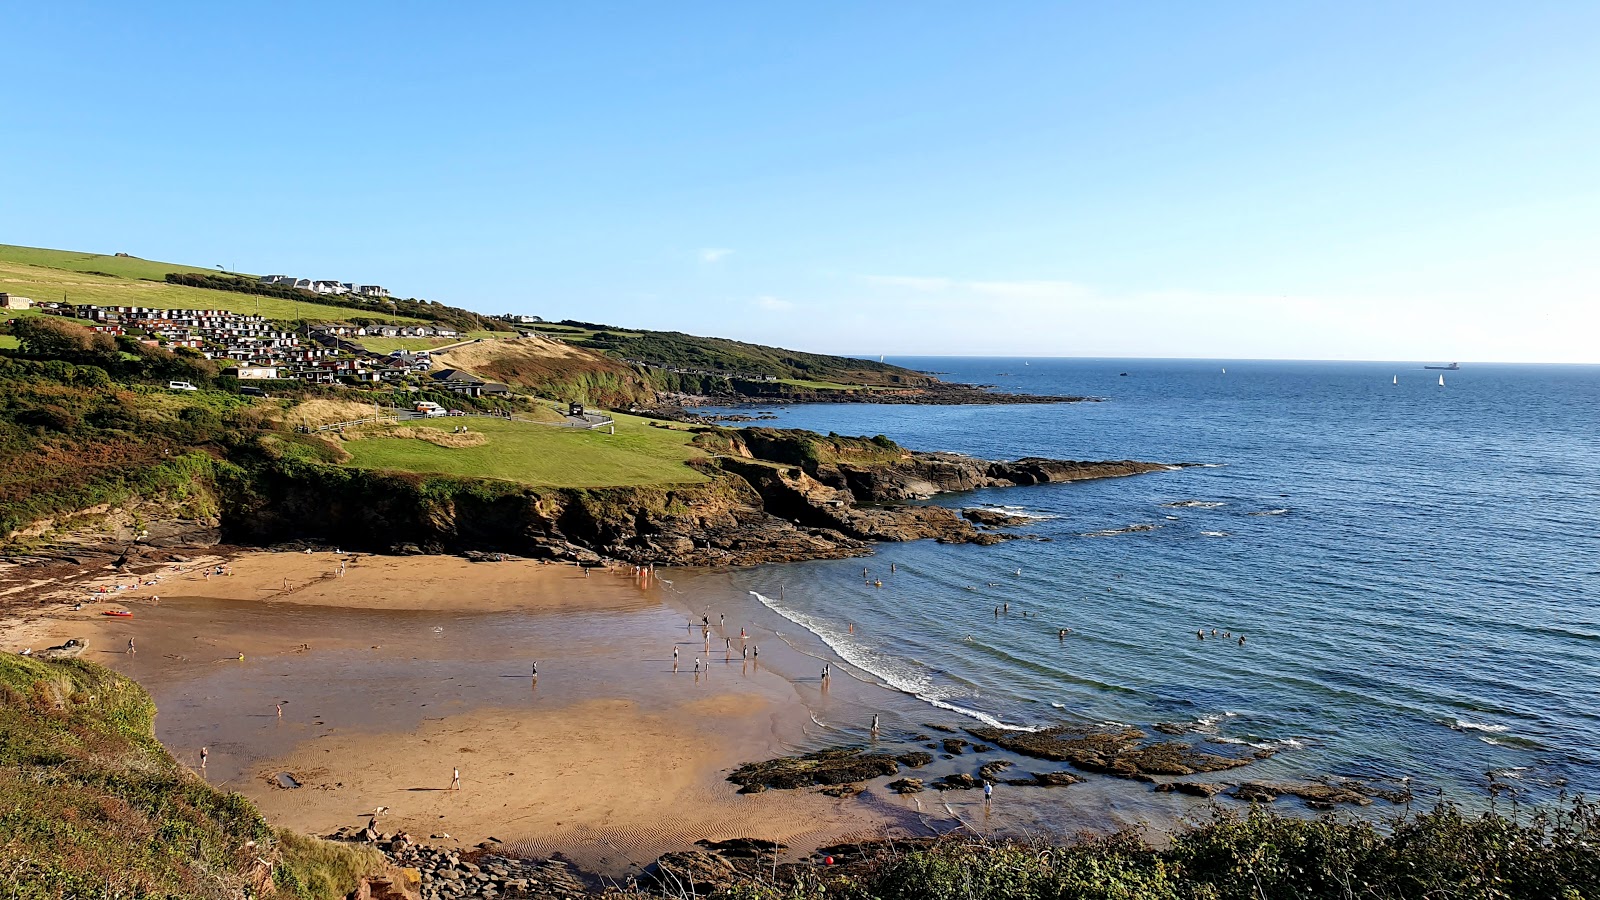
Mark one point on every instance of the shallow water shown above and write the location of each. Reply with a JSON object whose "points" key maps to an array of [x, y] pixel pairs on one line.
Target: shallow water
{"points": [[1414, 567]]}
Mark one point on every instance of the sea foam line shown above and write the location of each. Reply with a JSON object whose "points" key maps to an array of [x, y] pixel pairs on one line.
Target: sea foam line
{"points": [[867, 661]]}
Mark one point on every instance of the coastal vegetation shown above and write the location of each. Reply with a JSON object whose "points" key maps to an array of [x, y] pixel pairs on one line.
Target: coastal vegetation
{"points": [[92, 806], [1550, 854]]}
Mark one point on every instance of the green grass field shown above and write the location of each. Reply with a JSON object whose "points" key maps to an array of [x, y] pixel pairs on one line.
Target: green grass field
{"points": [[385, 345], [51, 275], [820, 385], [540, 455]]}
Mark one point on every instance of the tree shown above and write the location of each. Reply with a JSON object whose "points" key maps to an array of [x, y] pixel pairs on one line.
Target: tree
{"points": [[56, 338]]}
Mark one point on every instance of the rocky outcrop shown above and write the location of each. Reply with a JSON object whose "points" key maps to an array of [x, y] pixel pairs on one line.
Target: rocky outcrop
{"points": [[771, 496], [1120, 751], [845, 765]]}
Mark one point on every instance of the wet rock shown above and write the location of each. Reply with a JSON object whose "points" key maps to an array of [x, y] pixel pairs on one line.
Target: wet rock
{"points": [[981, 748], [944, 728], [907, 786], [1055, 779], [960, 781], [754, 787], [743, 848], [914, 759], [1191, 788], [1316, 795], [843, 790], [691, 872], [992, 518], [991, 771], [953, 746], [825, 767], [1118, 751]]}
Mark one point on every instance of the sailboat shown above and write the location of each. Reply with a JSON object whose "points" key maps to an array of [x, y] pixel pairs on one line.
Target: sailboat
{"points": [[1224, 370], [1396, 380], [1441, 381]]}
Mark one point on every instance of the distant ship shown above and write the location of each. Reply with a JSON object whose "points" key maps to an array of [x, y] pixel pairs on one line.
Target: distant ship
{"points": [[1450, 368]]}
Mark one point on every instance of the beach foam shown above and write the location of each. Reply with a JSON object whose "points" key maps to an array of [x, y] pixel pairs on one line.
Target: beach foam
{"points": [[892, 672]]}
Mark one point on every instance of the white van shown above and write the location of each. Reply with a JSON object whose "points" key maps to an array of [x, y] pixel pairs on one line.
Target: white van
{"points": [[181, 386], [430, 408]]}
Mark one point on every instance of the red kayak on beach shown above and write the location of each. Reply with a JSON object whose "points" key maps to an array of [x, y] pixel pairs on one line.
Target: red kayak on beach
{"points": [[116, 612]]}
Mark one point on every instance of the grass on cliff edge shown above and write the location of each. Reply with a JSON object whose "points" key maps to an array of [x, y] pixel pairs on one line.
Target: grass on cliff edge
{"points": [[92, 806], [48, 275], [541, 455]]}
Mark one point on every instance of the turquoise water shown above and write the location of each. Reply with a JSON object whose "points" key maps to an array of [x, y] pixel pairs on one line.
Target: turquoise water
{"points": [[1416, 569]]}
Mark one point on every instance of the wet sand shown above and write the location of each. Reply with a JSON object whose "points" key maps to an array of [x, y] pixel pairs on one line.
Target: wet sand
{"points": [[405, 668]]}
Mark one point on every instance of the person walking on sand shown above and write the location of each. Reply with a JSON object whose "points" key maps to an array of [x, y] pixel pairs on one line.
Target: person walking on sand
{"points": [[203, 754], [697, 665], [130, 646], [280, 709], [535, 670], [674, 651], [455, 779], [742, 635], [755, 649]]}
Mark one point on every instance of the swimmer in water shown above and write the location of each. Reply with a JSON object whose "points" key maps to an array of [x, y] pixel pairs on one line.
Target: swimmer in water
{"points": [[1199, 635], [1241, 640]]}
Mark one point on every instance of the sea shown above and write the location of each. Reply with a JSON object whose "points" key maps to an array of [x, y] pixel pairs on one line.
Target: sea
{"points": [[1413, 569]]}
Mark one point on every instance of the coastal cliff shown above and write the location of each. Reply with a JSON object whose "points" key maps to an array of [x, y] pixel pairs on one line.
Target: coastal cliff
{"points": [[771, 496]]}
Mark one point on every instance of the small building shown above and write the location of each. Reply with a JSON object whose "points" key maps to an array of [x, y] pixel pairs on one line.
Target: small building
{"points": [[12, 301], [252, 373]]}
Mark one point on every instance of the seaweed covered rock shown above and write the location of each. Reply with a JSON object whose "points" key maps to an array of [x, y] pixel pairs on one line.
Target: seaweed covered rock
{"points": [[907, 786], [1316, 795], [914, 759], [824, 767], [1118, 751]]}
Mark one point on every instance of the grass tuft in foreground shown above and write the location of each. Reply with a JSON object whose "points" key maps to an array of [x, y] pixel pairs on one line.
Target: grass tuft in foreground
{"points": [[92, 806]]}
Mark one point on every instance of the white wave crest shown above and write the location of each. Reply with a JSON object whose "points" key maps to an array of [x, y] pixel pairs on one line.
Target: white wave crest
{"points": [[1464, 725], [892, 672]]}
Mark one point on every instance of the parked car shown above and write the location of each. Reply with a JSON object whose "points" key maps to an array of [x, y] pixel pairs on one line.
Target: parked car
{"points": [[181, 386], [250, 391], [457, 412]]}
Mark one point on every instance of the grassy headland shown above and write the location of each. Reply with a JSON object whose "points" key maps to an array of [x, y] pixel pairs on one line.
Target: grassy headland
{"points": [[538, 455], [92, 806], [50, 275]]}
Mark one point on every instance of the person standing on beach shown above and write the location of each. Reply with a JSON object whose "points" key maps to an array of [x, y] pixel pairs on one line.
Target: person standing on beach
{"points": [[874, 723], [755, 649], [697, 665], [455, 779], [280, 709], [988, 791], [674, 651], [203, 754], [535, 670]]}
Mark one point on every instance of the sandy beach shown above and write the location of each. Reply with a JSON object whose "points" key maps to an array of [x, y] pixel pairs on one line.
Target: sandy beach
{"points": [[393, 672]]}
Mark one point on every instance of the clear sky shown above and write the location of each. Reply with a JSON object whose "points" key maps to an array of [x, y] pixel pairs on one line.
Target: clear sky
{"points": [[1273, 179]]}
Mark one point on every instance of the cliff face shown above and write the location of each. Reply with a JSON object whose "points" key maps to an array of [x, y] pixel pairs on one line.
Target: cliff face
{"points": [[774, 496]]}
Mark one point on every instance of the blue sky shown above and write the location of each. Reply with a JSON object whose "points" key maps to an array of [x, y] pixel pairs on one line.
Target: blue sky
{"points": [[1281, 180]]}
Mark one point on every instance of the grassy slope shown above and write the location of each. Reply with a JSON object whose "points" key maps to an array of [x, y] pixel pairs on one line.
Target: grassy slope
{"points": [[385, 345], [541, 455], [46, 275], [91, 805]]}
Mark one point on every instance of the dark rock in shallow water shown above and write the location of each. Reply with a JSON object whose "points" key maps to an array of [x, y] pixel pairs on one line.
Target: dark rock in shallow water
{"points": [[954, 746], [944, 728], [1119, 751], [843, 790], [1317, 796], [960, 781], [915, 759], [991, 771], [907, 786], [993, 518], [1192, 788], [825, 767]]}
